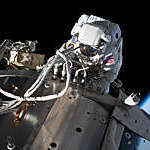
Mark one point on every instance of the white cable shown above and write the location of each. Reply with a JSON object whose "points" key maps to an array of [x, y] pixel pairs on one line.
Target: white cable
{"points": [[14, 103], [50, 97], [10, 95], [38, 82], [82, 69], [71, 65], [9, 105], [40, 78], [11, 75], [63, 71]]}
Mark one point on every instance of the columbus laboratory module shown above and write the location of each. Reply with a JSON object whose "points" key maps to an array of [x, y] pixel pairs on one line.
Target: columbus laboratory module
{"points": [[72, 100]]}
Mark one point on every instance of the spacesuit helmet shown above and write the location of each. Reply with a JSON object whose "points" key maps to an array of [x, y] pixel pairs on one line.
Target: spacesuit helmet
{"points": [[96, 34], [92, 39]]}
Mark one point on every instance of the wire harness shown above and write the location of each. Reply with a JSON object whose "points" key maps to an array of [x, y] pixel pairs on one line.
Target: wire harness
{"points": [[17, 100]]}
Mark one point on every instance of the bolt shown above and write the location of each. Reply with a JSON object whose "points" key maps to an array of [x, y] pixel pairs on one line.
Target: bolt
{"points": [[10, 143]]}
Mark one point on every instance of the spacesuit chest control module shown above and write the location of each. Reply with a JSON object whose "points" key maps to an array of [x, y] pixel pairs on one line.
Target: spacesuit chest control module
{"points": [[96, 44]]}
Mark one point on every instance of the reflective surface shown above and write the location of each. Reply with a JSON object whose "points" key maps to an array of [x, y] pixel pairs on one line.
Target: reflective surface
{"points": [[131, 141], [25, 132]]}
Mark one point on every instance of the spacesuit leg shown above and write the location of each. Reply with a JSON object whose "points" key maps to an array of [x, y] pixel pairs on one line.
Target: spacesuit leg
{"points": [[104, 83]]}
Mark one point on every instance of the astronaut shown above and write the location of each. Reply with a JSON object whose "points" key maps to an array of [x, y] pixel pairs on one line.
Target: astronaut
{"points": [[91, 58], [96, 44]]}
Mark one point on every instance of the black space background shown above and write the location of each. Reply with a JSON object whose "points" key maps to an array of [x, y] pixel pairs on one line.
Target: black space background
{"points": [[51, 22]]}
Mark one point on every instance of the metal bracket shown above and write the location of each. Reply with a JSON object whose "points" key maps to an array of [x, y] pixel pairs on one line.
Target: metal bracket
{"points": [[113, 135], [134, 119]]}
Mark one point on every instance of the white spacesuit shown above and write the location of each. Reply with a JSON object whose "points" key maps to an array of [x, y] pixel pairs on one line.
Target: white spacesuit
{"points": [[97, 44]]}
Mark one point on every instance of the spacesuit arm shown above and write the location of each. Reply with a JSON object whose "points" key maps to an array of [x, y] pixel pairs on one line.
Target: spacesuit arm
{"points": [[111, 66], [112, 62], [103, 84]]}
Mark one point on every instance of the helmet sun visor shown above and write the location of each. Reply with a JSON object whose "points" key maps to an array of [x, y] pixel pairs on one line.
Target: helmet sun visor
{"points": [[91, 35]]}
